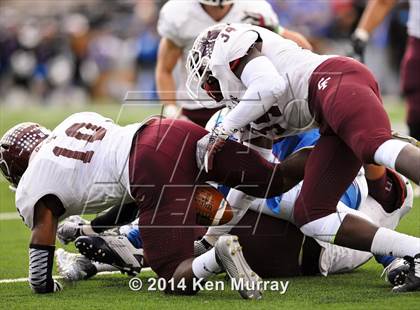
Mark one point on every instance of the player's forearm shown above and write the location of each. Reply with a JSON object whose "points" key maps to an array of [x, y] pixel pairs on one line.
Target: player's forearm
{"points": [[115, 217], [168, 55], [263, 84], [165, 85], [293, 168], [297, 38], [41, 249], [374, 14], [247, 111]]}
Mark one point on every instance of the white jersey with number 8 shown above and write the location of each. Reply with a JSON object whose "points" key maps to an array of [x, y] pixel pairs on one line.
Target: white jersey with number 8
{"points": [[84, 163]]}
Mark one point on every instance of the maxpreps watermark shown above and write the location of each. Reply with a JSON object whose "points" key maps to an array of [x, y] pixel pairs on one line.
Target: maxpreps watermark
{"points": [[160, 284]]}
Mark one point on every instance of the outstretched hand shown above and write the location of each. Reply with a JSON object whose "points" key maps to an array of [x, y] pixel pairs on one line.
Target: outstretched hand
{"points": [[208, 146]]}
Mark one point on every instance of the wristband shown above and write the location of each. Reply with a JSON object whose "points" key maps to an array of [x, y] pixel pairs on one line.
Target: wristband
{"points": [[41, 259], [170, 111], [361, 34]]}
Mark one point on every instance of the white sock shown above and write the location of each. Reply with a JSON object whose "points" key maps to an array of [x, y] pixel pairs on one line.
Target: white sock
{"points": [[389, 242], [326, 228], [104, 267], [387, 153], [206, 265]]}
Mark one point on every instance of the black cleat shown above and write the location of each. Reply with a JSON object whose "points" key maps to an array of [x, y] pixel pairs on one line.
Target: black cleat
{"points": [[397, 271], [112, 250], [412, 281]]}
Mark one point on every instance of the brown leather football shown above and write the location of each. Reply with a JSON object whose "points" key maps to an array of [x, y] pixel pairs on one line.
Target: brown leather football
{"points": [[211, 207]]}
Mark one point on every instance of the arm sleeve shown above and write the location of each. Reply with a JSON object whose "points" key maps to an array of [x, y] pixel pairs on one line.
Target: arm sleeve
{"points": [[263, 84], [116, 216]]}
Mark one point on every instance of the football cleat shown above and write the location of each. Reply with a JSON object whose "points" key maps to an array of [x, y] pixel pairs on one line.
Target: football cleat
{"points": [[112, 250], [412, 280], [229, 254], [396, 271], [74, 267], [70, 229]]}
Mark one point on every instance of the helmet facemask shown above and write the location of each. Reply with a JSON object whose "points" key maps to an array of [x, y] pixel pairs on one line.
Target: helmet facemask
{"points": [[4, 167], [200, 76], [197, 67]]}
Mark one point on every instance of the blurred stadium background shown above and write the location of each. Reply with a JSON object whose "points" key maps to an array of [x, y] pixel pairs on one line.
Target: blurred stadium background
{"points": [[78, 52], [62, 56]]}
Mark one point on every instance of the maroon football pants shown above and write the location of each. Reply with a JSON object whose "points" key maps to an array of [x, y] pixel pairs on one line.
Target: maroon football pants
{"points": [[271, 246], [410, 84], [164, 176], [345, 99]]}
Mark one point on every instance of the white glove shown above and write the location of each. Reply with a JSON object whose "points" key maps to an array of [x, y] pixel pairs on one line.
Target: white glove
{"points": [[173, 111], [208, 146], [70, 229]]}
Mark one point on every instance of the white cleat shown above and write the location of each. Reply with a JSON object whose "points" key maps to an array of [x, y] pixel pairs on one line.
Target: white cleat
{"points": [[74, 267], [229, 254]]}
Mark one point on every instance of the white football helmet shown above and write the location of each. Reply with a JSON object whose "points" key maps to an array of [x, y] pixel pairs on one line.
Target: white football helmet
{"points": [[216, 2], [199, 75]]}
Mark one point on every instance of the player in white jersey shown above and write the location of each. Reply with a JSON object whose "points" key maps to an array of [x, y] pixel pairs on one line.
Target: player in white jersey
{"points": [[373, 15], [88, 164], [179, 24], [80, 167], [86, 154], [278, 89]]}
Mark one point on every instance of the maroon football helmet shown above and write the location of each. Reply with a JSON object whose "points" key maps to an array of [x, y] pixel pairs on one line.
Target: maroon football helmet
{"points": [[16, 147]]}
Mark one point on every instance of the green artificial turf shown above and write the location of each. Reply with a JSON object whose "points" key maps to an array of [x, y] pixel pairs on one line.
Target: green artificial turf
{"points": [[361, 289]]}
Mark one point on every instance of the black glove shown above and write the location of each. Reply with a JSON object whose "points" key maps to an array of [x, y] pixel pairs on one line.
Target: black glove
{"points": [[359, 40]]}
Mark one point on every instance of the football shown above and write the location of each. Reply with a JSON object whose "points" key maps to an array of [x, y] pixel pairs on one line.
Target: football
{"points": [[211, 207]]}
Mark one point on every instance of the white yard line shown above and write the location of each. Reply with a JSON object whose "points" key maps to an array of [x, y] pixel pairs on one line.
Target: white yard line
{"points": [[18, 280], [8, 216]]}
